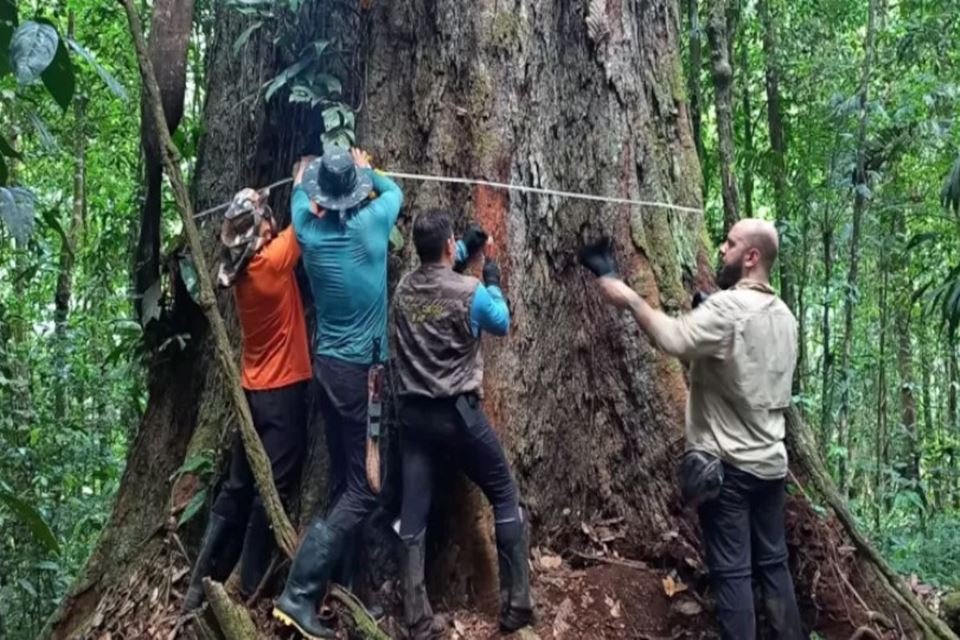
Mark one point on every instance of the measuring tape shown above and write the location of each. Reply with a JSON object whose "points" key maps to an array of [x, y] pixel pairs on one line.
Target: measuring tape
{"points": [[493, 185]]}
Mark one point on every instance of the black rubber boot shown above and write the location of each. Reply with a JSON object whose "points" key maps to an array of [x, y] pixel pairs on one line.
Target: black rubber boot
{"points": [[513, 555], [218, 555], [310, 573], [417, 612], [350, 576], [258, 545]]}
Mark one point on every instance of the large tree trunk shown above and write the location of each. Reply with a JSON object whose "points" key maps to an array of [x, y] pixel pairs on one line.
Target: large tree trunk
{"points": [[545, 94]]}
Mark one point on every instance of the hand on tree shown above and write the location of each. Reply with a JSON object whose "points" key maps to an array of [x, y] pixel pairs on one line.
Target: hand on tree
{"points": [[616, 292], [491, 273], [598, 258], [360, 158]]}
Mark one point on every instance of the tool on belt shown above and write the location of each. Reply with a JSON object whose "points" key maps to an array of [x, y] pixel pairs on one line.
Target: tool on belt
{"points": [[374, 414]]}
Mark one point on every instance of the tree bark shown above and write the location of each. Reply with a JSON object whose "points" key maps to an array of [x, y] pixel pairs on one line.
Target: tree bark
{"points": [[169, 39], [881, 436], [693, 77], [748, 126], [778, 145], [68, 248], [718, 32], [908, 403], [590, 415], [861, 191]]}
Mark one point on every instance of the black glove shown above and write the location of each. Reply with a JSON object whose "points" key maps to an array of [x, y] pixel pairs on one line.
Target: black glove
{"points": [[699, 298], [491, 273], [474, 240], [598, 257]]}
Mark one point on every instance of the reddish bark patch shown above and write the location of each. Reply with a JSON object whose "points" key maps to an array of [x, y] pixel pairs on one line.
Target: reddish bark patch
{"points": [[490, 210]]}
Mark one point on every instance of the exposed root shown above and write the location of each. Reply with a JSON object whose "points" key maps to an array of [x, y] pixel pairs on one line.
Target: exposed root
{"points": [[363, 622], [233, 618]]}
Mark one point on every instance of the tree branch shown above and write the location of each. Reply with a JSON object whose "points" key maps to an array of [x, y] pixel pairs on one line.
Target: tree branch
{"points": [[259, 463]]}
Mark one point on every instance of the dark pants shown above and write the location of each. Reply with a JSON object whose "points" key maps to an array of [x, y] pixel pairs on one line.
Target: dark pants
{"points": [[435, 431], [743, 531], [343, 403], [279, 416]]}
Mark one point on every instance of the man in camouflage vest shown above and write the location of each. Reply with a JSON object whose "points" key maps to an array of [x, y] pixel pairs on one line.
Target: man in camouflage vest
{"points": [[440, 316]]}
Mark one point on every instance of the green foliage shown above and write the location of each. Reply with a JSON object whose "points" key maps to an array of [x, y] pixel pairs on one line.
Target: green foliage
{"points": [[33, 520], [307, 79], [62, 466]]}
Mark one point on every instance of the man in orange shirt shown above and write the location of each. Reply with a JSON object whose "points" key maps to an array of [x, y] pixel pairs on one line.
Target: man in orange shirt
{"points": [[259, 264]]}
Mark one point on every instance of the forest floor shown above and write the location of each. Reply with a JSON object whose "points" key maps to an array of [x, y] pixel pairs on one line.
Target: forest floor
{"points": [[595, 592]]}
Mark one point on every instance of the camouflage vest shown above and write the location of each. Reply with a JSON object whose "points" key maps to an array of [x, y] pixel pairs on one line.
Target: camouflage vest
{"points": [[438, 355]]}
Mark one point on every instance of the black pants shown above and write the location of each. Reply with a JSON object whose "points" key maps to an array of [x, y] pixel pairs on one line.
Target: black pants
{"points": [[743, 530], [343, 403], [453, 431], [279, 416]]}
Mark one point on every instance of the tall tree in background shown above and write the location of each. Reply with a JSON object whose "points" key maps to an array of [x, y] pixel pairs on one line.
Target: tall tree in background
{"points": [[693, 77], [69, 246], [718, 31], [778, 145], [860, 199]]}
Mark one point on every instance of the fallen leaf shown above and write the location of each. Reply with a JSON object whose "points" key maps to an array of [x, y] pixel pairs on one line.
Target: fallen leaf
{"points": [[551, 562], [614, 606], [688, 607], [564, 611], [672, 587]]}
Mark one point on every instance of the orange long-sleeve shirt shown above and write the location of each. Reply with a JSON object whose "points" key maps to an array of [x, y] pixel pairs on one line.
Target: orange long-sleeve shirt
{"points": [[275, 348]]}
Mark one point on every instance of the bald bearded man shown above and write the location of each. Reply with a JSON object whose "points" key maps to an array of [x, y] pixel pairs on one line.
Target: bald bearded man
{"points": [[742, 346]]}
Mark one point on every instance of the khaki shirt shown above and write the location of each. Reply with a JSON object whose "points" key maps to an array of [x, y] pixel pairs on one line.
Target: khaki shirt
{"points": [[743, 347]]}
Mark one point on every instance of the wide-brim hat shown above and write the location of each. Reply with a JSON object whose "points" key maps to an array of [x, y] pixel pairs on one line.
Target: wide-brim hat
{"points": [[241, 223], [333, 182]]}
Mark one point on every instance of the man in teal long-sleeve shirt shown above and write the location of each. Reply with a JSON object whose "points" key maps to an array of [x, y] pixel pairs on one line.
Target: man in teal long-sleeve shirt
{"points": [[343, 230]]}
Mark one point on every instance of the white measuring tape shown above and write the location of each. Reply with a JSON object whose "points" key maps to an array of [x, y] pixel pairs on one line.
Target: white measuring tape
{"points": [[497, 185]]}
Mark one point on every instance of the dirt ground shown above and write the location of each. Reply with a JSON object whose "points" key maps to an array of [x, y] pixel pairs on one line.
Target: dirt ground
{"points": [[590, 591]]}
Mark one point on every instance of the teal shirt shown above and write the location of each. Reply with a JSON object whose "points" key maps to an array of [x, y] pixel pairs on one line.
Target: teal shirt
{"points": [[347, 269]]}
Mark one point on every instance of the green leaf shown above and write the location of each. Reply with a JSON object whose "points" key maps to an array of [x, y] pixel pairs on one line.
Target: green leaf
{"points": [[284, 76], [150, 305], [331, 84], [396, 240], [245, 37], [193, 507], [17, 212], [332, 118], [49, 217], [43, 133], [8, 23], [112, 83], [4, 173], [59, 78], [32, 49], [188, 272], [199, 464], [7, 149], [32, 519], [28, 587]]}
